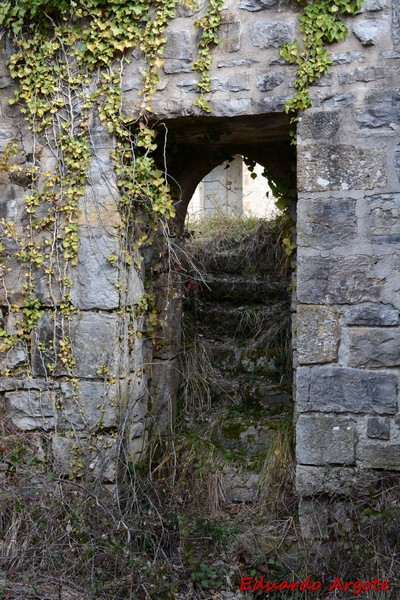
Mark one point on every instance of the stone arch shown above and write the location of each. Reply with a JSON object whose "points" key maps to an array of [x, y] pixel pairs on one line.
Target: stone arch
{"points": [[196, 145]]}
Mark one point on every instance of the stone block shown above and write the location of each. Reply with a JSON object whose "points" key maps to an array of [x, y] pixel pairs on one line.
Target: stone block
{"points": [[384, 218], [378, 315], [256, 5], [380, 116], [341, 389], [178, 45], [269, 81], [32, 409], [313, 518], [340, 167], [136, 440], [78, 457], [177, 66], [397, 164], [364, 74], [319, 125], [339, 100], [378, 427], [367, 31], [271, 34], [94, 345], [243, 62], [325, 440], [374, 347], [164, 387], [230, 34], [347, 481], [239, 487], [317, 334], [327, 280], [239, 82], [373, 454], [396, 23], [96, 276], [347, 58], [12, 281], [93, 406], [326, 223]]}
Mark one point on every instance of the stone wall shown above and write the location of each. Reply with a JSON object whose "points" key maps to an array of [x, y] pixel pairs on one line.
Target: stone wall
{"points": [[348, 236]]}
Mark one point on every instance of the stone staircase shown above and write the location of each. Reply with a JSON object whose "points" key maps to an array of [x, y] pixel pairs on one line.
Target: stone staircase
{"points": [[237, 317]]}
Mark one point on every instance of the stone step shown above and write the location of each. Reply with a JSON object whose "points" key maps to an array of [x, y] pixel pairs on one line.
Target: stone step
{"points": [[241, 322], [238, 290], [234, 264], [248, 391], [252, 359]]}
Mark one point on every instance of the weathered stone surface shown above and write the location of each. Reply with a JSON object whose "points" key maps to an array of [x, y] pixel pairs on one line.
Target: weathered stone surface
{"points": [[378, 427], [337, 480], [179, 45], [183, 10], [33, 409], [341, 167], [269, 81], [238, 82], [230, 34], [375, 347], [339, 100], [93, 406], [347, 57], [373, 5], [240, 487], [348, 280], [77, 456], [255, 5], [313, 518], [367, 31], [325, 440], [270, 34], [396, 23], [319, 125], [340, 389], [378, 455], [397, 163], [136, 441], [326, 223], [177, 66], [243, 62], [94, 345], [364, 74], [378, 315], [384, 218], [317, 334], [163, 389], [94, 283], [381, 116]]}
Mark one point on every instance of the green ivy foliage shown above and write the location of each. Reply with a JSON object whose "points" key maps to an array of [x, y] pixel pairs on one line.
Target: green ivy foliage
{"points": [[321, 23]]}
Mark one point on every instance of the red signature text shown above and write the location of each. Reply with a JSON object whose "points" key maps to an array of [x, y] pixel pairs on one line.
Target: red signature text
{"points": [[355, 587]]}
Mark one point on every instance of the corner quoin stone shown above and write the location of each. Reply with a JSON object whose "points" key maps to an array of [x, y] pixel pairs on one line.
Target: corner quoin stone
{"points": [[317, 334], [326, 223], [328, 280], [341, 167], [325, 440], [339, 389]]}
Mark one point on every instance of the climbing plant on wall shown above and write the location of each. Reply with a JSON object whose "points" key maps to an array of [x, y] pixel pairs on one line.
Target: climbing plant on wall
{"points": [[321, 23]]}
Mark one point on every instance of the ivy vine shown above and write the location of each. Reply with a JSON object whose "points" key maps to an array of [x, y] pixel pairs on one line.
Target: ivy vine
{"points": [[321, 23]]}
